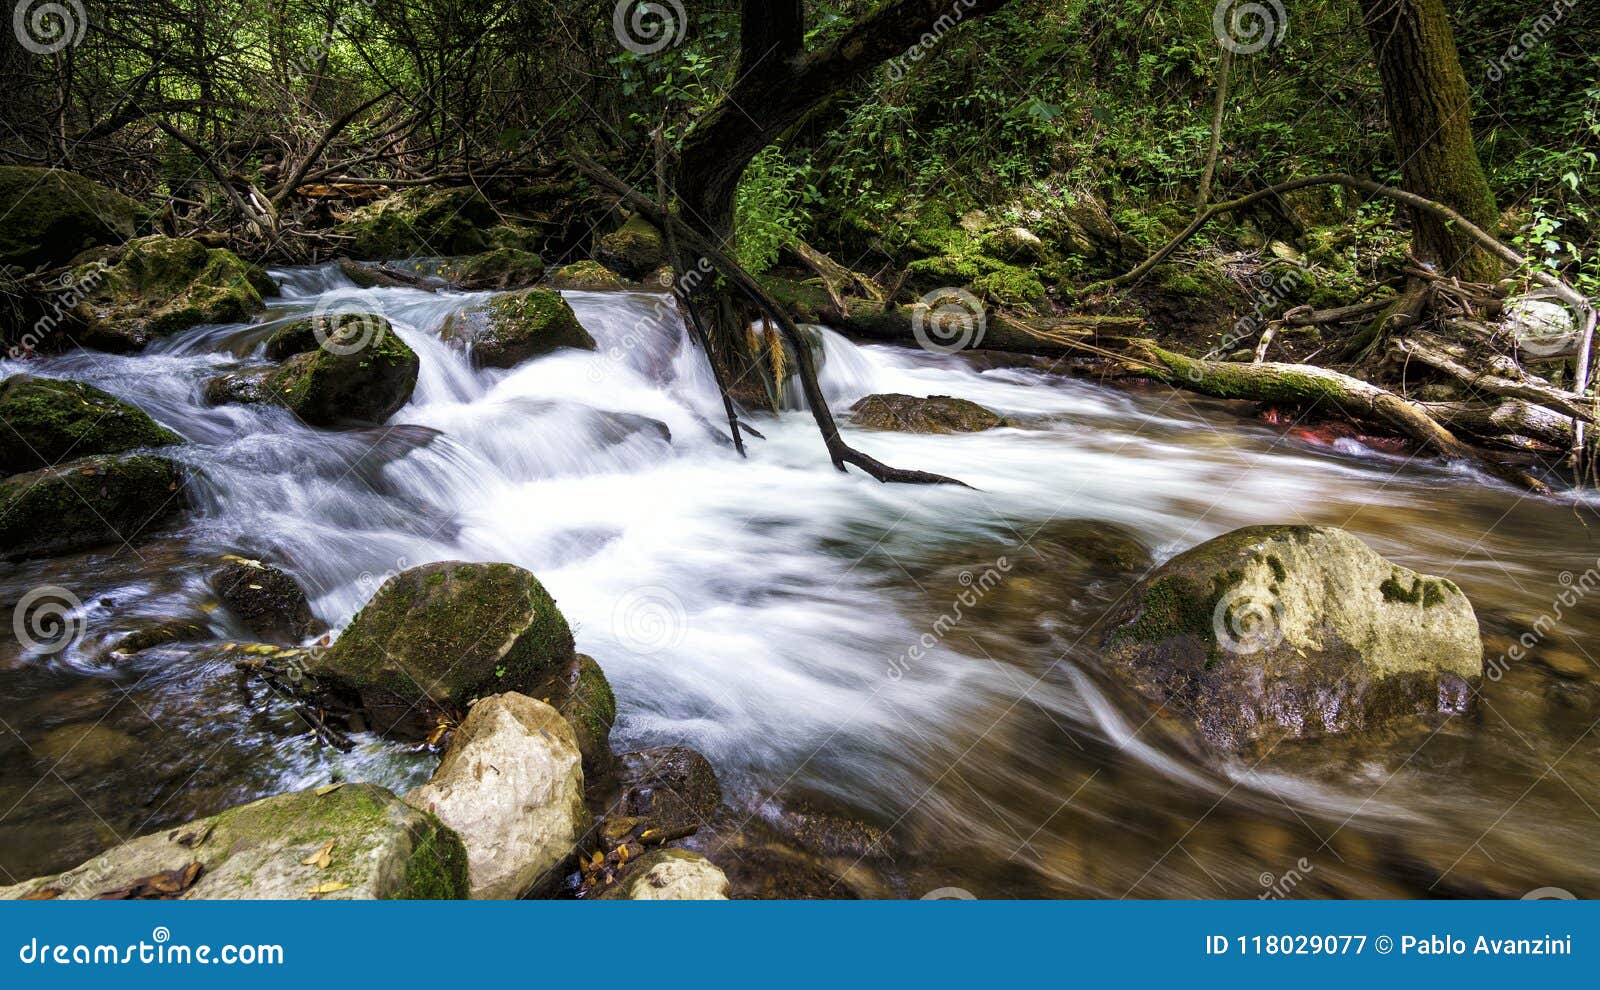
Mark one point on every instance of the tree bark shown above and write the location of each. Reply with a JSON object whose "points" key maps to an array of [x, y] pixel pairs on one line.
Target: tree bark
{"points": [[1425, 94]]}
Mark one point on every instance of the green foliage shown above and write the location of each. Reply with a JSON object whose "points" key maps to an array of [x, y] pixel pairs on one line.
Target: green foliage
{"points": [[770, 211]]}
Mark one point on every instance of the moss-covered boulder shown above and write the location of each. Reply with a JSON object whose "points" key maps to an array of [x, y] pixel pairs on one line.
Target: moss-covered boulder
{"points": [[156, 286], [47, 419], [1283, 632], [511, 786], [423, 221], [583, 696], [585, 276], [933, 414], [374, 847], [266, 600], [344, 368], [635, 249], [51, 216], [499, 269], [87, 503], [516, 327], [435, 637]]}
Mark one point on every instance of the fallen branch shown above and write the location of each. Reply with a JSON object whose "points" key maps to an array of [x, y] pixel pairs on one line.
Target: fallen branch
{"points": [[1308, 385], [1505, 381]]}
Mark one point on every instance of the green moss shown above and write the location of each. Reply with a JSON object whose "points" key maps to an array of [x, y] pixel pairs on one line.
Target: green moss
{"points": [[1278, 570], [592, 700], [51, 216], [85, 503], [352, 366], [501, 268], [1010, 286], [585, 275], [437, 869], [160, 285], [423, 221], [516, 327], [47, 420], [1423, 591], [635, 249]]}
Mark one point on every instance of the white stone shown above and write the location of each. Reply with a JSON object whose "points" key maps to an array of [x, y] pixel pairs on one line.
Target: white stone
{"points": [[511, 785], [674, 875]]}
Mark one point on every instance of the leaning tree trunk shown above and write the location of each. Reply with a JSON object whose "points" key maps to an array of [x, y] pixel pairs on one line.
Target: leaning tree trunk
{"points": [[777, 83], [1425, 93]]}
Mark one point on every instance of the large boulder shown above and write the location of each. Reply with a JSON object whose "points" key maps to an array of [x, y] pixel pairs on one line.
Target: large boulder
{"points": [[85, 503], [344, 368], [423, 221], [156, 286], [48, 419], [340, 842], [51, 216], [438, 636], [268, 601], [511, 786], [934, 414], [667, 789], [635, 249], [1284, 632], [511, 329], [588, 276], [670, 875], [499, 269]]}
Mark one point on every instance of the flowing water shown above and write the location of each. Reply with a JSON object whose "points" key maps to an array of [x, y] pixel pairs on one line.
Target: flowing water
{"points": [[906, 672]]}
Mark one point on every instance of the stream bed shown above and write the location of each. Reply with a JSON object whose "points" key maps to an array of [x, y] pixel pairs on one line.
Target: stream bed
{"points": [[897, 685]]}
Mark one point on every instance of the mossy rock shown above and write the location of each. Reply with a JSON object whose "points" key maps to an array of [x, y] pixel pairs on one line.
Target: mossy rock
{"points": [[1284, 632], [422, 221], [1013, 287], [670, 788], [87, 503], [517, 327], [158, 286], [382, 849], [585, 276], [934, 414], [48, 419], [635, 249], [499, 269], [269, 602], [367, 276], [51, 216], [583, 696], [517, 237], [435, 637], [344, 368]]}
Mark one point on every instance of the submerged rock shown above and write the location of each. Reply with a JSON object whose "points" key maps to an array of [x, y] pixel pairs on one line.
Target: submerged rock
{"points": [[669, 789], [1283, 632], [511, 786], [51, 216], [422, 221], [670, 875], [635, 249], [514, 328], [268, 601], [47, 419], [376, 848], [74, 750], [345, 368], [435, 637], [86, 503], [585, 276], [934, 414], [156, 286]]}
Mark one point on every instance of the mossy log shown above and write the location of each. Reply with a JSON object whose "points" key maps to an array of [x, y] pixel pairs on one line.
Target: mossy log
{"points": [[1307, 385]]}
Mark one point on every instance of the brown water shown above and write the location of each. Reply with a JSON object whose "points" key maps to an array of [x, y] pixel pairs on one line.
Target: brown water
{"points": [[765, 613]]}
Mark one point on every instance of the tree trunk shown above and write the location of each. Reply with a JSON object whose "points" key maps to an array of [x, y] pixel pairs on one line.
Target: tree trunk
{"points": [[1425, 93]]}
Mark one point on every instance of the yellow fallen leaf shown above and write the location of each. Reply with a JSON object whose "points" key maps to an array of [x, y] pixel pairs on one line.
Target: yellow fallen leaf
{"points": [[331, 887], [322, 858], [329, 788]]}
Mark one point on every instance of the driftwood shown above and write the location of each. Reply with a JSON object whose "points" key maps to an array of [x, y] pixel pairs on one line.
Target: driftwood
{"points": [[1303, 384], [839, 452], [1502, 379], [1511, 421]]}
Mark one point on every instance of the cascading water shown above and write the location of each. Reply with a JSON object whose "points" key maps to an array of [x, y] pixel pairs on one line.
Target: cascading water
{"points": [[803, 628]]}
